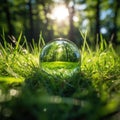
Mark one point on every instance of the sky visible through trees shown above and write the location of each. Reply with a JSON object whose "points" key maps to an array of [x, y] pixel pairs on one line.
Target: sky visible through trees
{"points": [[61, 18]]}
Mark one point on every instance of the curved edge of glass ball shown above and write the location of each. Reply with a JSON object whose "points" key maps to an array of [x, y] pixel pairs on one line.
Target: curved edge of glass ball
{"points": [[60, 56]]}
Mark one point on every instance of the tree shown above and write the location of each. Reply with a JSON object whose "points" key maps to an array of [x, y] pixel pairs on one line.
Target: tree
{"points": [[115, 28], [97, 31], [8, 16], [31, 23], [110, 9], [71, 23]]}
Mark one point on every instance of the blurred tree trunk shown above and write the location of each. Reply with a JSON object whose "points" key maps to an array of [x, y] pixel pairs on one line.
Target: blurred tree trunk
{"points": [[31, 21], [8, 16], [71, 23], [50, 31], [71, 10], [114, 31], [97, 29]]}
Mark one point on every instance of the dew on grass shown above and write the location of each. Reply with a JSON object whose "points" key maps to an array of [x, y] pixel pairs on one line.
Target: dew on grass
{"points": [[60, 57]]}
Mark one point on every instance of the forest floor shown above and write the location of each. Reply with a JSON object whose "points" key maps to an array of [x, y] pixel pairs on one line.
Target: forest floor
{"points": [[26, 92]]}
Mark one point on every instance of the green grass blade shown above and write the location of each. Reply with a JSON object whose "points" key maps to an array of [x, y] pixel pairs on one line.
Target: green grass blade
{"points": [[18, 41]]}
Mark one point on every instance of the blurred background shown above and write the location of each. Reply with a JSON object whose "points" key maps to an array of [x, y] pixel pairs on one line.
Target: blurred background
{"points": [[61, 18]]}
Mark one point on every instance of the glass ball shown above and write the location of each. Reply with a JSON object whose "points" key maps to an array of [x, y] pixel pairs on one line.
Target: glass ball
{"points": [[60, 57]]}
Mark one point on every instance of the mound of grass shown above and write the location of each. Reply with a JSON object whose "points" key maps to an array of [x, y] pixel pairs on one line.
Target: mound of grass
{"points": [[27, 92]]}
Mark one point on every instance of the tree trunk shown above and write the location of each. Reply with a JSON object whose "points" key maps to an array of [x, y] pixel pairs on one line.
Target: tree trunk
{"points": [[8, 16], [31, 21], [50, 31], [97, 32], [71, 23], [114, 32]]}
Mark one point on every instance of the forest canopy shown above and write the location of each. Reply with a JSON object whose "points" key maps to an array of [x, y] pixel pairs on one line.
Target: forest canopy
{"points": [[61, 18]]}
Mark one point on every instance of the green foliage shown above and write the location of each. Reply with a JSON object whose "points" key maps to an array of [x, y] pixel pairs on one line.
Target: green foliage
{"points": [[33, 16], [26, 92]]}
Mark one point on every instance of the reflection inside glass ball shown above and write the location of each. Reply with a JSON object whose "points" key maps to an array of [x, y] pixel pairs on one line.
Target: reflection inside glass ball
{"points": [[60, 57]]}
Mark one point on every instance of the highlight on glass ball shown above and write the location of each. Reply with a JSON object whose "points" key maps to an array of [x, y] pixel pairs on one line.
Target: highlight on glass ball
{"points": [[60, 57]]}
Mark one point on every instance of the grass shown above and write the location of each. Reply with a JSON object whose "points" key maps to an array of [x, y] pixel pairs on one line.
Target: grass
{"points": [[58, 65], [27, 92], [61, 69]]}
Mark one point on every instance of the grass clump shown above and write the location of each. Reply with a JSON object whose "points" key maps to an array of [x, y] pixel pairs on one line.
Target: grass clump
{"points": [[27, 92]]}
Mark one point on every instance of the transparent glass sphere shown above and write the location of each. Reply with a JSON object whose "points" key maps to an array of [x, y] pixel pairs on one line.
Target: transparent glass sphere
{"points": [[60, 57]]}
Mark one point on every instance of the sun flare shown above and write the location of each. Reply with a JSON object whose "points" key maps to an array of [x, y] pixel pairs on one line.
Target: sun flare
{"points": [[60, 13]]}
